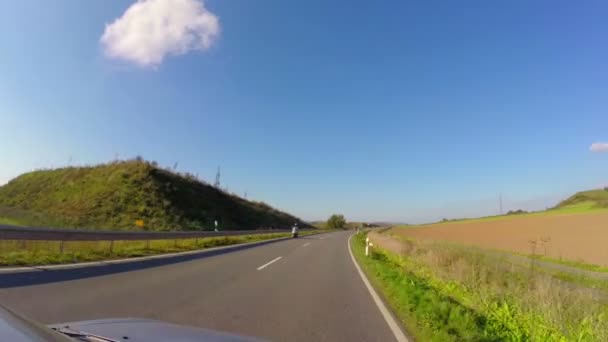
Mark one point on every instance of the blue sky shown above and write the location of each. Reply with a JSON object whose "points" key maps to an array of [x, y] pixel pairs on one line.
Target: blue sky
{"points": [[380, 110]]}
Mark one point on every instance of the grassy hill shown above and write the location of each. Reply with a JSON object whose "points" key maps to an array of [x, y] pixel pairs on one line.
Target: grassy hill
{"points": [[592, 199], [579, 203], [115, 195]]}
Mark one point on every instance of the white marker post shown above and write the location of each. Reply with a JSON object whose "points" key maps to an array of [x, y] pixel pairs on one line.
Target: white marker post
{"points": [[215, 225], [366, 246]]}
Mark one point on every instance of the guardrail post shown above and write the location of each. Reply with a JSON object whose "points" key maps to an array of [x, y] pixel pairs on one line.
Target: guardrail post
{"points": [[61, 247], [175, 243], [111, 246], [147, 244]]}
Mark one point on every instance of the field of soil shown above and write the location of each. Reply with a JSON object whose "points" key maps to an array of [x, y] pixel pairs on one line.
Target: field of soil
{"points": [[578, 237]]}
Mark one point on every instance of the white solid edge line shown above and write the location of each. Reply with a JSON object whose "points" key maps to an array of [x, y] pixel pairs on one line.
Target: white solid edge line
{"points": [[268, 263], [390, 320]]}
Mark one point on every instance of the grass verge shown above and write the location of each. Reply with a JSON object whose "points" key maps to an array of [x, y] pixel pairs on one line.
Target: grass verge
{"points": [[580, 264], [576, 278], [443, 293], [35, 253], [573, 263], [10, 221]]}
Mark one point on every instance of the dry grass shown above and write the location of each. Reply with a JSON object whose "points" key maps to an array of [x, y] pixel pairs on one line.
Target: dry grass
{"points": [[545, 306], [576, 237]]}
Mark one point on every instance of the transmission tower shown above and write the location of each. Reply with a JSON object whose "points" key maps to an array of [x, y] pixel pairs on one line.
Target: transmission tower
{"points": [[217, 178]]}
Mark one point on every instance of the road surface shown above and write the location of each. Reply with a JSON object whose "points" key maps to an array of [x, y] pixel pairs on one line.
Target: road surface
{"points": [[305, 289]]}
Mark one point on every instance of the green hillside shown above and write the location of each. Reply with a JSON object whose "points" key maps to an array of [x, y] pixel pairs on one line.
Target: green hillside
{"points": [[592, 199], [115, 195]]}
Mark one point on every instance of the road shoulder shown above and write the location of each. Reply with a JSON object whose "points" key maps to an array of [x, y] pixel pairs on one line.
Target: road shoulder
{"points": [[388, 316]]}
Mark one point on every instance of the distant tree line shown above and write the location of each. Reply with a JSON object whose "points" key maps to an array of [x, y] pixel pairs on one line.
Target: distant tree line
{"points": [[336, 221], [516, 212]]}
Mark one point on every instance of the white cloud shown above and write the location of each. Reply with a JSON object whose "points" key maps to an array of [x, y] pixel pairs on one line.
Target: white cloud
{"points": [[150, 30], [599, 147]]}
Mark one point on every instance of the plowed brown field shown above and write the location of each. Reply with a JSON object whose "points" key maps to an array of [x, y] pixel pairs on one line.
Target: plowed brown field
{"points": [[579, 237]]}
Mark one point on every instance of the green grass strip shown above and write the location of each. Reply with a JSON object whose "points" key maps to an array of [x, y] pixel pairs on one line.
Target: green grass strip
{"points": [[36, 253], [427, 314], [433, 309]]}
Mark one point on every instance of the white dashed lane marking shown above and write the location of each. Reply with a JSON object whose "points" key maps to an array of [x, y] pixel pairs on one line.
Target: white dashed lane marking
{"points": [[268, 263]]}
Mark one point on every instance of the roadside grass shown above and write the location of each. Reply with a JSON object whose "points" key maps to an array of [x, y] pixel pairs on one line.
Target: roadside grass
{"points": [[579, 279], [445, 293], [580, 264], [32, 253], [573, 263], [10, 221], [427, 314], [575, 278]]}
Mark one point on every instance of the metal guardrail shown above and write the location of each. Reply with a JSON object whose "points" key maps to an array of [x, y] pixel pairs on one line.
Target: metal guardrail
{"points": [[52, 234]]}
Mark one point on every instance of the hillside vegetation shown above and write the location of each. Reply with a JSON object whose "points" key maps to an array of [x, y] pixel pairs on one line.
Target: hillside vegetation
{"points": [[115, 195], [580, 203], [592, 199]]}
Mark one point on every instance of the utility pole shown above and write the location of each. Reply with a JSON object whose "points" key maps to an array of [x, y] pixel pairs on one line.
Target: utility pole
{"points": [[217, 178]]}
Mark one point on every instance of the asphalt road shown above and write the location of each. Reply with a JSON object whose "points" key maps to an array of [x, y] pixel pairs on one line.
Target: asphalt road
{"points": [[312, 293]]}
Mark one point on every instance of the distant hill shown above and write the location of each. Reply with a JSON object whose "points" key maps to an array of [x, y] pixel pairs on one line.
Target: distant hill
{"points": [[353, 224], [115, 195], [591, 198]]}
